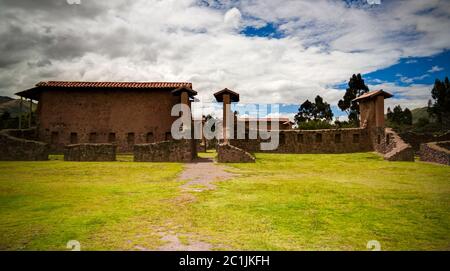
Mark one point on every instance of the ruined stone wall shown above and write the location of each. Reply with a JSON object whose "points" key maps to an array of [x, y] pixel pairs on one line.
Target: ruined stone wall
{"points": [[121, 116], [15, 145], [416, 139], [166, 151], [90, 152], [227, 153], [436, 152], [314, 141], [394, 148]]}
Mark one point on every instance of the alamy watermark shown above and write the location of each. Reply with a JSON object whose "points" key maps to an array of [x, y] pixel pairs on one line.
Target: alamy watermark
{"points": [[258, 124]]}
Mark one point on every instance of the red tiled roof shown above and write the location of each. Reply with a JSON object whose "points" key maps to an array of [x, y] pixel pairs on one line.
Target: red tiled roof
{"points": [[75, 84], [33, 93], [372, 94]]}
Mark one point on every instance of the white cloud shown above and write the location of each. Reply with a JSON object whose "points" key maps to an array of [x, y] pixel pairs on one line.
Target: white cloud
{"points": [[325, 43], [435, 69]]}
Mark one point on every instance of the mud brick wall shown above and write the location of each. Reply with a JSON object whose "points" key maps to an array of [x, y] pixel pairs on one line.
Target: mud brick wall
{"points": [[15, 145], [314, 141], [99, 115], [231, 154], [166, 151], [436, 152], [90, 152]]}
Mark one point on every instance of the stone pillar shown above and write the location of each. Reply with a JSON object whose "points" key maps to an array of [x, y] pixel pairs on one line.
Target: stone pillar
{"points": [[184, 99], [379, 111], [226, 116]]}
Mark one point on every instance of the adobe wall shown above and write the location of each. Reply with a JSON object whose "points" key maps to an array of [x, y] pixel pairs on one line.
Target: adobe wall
{"points": [[227, 153], [314, 141], [436, 152], [15, 145], [166, 151], [146, 113], [90, 152]]}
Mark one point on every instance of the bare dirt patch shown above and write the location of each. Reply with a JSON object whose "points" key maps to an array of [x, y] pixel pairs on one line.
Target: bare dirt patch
{"points": [[200, 176]]}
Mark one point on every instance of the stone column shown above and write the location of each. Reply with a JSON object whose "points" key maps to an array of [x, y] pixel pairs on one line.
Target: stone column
{"points": [[226, 116], [379, 111]]}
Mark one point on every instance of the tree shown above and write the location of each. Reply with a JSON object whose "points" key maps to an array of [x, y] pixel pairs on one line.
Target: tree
{"points": [[407, 116], [305, 112], [440, 107], [356, 87], [399, 116], [318, 111]]}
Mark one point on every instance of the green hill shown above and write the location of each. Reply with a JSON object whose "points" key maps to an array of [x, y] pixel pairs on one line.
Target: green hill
{"points": [[418, 113], [12, 106]]}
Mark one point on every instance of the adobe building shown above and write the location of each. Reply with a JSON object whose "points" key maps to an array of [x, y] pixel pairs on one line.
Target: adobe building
{"points": [[124, 113]]}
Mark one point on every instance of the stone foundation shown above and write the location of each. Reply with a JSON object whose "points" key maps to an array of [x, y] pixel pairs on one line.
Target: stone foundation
{"points": [[436, 152], [166, 151], [15, 145], [90, 152], [227, 153]]}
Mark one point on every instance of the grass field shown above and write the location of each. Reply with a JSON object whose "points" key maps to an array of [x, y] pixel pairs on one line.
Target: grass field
{"points": [[282, 202]]}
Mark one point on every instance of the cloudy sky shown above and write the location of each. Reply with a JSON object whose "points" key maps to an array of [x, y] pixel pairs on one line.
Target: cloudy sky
{"points": [[270, 51]]}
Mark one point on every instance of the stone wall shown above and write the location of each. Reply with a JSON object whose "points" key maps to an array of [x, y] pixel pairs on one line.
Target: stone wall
{"points": [[15, 145], [227, 153], [166, 151], [313, 141], [395, 149], [436, 152], [90, 152], [416, 139]]}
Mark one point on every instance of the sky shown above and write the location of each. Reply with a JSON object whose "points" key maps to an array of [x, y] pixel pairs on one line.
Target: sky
{"points": [[270, 51]]}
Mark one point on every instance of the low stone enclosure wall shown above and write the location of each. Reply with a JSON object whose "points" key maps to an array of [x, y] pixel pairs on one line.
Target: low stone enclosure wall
{"points": [[227, 153], [436, 152], [313, 141], [416, 139], [90, 152], [19, 145], [166, 151]]}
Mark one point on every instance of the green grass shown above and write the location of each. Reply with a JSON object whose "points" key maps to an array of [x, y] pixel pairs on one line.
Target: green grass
{"points": [[281, 202], [105, 205], [327, 202]]}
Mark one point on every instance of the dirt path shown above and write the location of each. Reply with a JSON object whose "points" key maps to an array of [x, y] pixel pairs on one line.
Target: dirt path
{"points": [[200, 176]]}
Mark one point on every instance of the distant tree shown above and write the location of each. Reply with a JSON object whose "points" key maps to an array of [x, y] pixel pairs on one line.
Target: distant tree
{"points": [[407, 116], [440, 107], [305, 112], [356, 87], [399, 116], [319, 111], [322, 110]]}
